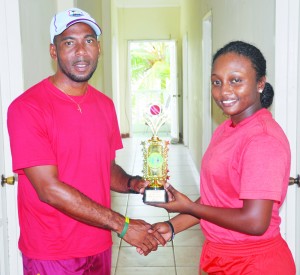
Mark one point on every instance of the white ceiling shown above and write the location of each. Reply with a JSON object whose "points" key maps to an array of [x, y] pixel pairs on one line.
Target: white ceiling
{"points": [[147, 3]]}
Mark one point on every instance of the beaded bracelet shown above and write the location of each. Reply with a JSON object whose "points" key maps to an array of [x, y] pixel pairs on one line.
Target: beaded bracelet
{"points": [[125, 228], [172, 229]]}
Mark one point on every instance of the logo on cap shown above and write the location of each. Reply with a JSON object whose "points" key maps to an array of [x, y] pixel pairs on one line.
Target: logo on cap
{"points": [[75, 13]]}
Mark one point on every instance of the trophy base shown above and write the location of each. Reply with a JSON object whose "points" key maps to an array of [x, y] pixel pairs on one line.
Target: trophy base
{"points": [[158, 195]]}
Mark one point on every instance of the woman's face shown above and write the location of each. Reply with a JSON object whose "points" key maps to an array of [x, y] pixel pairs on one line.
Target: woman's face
{"points": [[234, 86]]}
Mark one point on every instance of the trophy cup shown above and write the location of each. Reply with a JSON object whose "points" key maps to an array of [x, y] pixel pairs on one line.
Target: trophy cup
{"points": [[155, 152]]}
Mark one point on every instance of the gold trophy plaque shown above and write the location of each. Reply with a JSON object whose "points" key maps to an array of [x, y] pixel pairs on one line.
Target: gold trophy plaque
{"points": [[155, 152]]}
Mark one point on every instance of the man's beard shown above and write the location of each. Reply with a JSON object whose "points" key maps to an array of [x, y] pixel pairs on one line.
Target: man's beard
{"points": [[74, 77]]}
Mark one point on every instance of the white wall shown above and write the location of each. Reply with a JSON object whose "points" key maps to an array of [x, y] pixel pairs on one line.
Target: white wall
{"points": [[37, 63], [191, 19], [36, 39]]}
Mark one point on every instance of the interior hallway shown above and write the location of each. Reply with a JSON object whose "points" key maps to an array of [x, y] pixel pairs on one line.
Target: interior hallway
{"points": [[180, 257]]}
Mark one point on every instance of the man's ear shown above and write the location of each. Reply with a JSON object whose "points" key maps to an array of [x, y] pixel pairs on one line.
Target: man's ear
{"points": [[53, 52], [99, 47]]}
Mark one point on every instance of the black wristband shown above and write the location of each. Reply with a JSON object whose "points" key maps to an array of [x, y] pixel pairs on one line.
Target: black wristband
{"points": [[172, 229], [129, 184]]}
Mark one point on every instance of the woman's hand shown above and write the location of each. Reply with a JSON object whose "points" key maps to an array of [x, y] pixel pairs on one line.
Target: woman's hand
{"points": [[164, 229], [161, 228], [178, 202]]}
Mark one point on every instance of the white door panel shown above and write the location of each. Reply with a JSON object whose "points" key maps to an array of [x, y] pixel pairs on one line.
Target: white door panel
{"points": [[207, 100], [174, 92], [11, 85], [287, 102]]}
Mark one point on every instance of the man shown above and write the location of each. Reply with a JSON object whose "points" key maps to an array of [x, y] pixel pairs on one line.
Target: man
{"points": [[64, 134]]}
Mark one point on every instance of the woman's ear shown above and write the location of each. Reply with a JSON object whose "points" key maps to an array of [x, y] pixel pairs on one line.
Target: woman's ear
{"points": [[261, 84]]}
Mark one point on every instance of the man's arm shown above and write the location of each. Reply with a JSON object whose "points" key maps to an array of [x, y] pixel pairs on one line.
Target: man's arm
{"points": [[73, 203], [123, 183]]}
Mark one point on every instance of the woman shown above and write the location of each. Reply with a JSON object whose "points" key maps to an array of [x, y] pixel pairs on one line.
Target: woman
{"points": [[244, 174]]}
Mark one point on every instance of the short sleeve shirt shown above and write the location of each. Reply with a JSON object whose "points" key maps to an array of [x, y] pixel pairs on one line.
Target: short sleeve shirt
{"points": [[249, 161], [46, 128]]}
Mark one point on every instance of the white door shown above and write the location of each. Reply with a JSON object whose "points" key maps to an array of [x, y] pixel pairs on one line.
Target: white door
{"points": [[185, 89], [206, 61], [11, 84], [174, 93], [3, 211], [287, 102]]}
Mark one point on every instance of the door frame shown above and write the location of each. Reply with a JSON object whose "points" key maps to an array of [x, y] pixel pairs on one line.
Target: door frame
{"points": [[286, 111], [4, 262], [206, 87], [185, 88], [11, 75]]}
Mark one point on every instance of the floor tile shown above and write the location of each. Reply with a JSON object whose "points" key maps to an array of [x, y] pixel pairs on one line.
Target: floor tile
{"points": [[145, 211], [187, 256], [115, 255], [163, 257], [119, 200], [187, 270], [189, 238], [145, 271], [120, 209], [116, 240]]}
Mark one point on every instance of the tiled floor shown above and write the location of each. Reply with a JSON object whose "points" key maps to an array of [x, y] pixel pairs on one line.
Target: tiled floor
{"points": [[180, 257]]}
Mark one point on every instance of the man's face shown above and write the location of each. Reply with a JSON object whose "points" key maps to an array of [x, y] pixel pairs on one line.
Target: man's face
{"points": [[76, 51]]}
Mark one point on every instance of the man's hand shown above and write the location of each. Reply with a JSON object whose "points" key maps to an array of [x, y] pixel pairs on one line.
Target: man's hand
{"points": [[141, 235], [138, 184]]}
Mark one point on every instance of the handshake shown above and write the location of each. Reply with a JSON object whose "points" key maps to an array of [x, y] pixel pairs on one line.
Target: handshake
{"points": [[146, 237]]}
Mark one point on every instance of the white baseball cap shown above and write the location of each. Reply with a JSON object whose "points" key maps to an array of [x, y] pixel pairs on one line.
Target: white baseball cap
{"points": [[63, 20]]}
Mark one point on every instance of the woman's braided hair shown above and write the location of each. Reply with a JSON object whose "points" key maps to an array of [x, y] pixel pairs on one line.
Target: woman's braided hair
{"points": [[258, 62]]}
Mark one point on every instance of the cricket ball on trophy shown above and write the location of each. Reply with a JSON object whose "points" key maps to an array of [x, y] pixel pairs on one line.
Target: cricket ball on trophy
{"points": [[155, 109]]}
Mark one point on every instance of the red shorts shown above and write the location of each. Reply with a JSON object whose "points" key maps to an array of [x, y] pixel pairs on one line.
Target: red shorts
{"points": [[91, 265], [259, 258]]}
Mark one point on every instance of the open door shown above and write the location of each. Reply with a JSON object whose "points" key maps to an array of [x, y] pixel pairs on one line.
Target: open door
{"points": [[206, 87], [3, 210], [174, 93], [185, 89], [152, 70], [11, 85], [287, 112]]}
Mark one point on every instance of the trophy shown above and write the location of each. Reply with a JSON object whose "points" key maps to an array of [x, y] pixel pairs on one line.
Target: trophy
{"points": [[155, 152]]}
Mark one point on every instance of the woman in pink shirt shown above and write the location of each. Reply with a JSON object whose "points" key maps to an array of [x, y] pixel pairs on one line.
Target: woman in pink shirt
{"points": [[244, 174]]}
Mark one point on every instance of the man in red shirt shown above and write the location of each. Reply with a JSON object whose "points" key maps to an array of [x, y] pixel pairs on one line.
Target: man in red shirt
{"points": [[64, 135]]}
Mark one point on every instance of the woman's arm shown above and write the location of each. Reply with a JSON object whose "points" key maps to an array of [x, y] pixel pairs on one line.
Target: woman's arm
{"points": [[253, 218]]}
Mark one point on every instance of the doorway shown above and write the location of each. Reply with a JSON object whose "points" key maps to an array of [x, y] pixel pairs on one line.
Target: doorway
{"points": [[153, 81], [11, 85], [3, 208], [206, 61]]}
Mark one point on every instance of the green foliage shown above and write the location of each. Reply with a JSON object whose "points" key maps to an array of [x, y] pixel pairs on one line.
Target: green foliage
{"points": [[150, 65]]}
